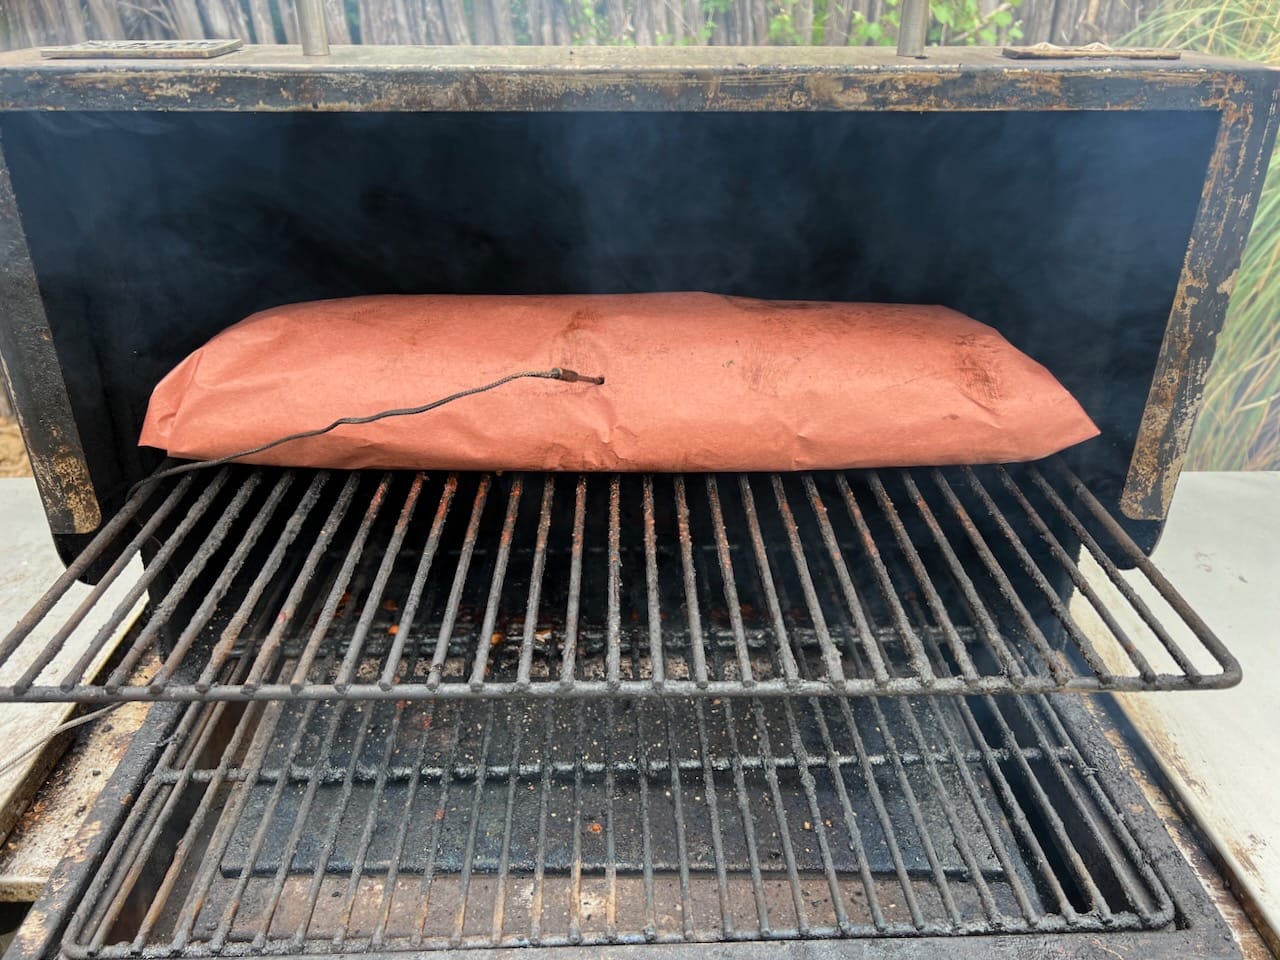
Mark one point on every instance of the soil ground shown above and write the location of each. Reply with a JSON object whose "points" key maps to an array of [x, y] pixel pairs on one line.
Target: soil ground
{"points": [[13, 455]]}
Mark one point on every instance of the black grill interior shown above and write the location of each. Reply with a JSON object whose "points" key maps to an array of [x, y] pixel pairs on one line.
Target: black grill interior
{"points": [[151, 232]]}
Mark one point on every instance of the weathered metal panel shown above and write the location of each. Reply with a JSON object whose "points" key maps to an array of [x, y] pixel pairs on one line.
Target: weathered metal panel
{"points": [[580, 78], [35, 379], [1245, 139]]}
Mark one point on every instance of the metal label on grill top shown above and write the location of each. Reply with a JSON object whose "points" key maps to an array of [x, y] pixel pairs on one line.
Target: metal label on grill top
{"points": [[142, 50]]}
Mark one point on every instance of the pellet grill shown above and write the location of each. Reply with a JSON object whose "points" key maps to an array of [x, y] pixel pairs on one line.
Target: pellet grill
{"points": [[624, 716]]}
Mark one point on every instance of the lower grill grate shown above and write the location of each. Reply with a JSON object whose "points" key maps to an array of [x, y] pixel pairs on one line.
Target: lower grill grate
{"points": [[470, 586], [322, 827]]}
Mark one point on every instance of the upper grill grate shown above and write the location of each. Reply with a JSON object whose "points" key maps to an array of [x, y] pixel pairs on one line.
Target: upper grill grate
{"points": [[394, 586]]}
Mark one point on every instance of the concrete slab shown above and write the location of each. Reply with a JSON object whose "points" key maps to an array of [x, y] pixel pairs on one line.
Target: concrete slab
{"points": [[1219, 749], [28, 564]]}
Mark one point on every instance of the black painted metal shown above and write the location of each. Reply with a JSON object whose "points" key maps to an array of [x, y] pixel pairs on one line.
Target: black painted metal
{"points": [[403, 586], [38, 384], [968, 138]]}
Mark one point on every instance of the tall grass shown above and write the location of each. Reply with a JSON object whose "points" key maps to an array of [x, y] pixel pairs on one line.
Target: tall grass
{"points": [[1239, 426]]}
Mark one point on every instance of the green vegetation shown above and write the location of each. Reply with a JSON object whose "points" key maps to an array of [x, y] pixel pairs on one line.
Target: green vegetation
{"points": [[1239, 427], [662, 22]]}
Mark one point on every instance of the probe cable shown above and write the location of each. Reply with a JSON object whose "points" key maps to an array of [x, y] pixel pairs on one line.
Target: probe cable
{"points": [[555, 373]]}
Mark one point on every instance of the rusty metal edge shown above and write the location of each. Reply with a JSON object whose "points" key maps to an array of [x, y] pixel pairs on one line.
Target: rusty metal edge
{"points": [[1237, 169], [390, 78], [36, 384]]}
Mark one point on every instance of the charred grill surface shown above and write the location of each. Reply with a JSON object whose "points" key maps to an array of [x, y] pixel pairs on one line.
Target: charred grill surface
{"points": [[323, 826]]}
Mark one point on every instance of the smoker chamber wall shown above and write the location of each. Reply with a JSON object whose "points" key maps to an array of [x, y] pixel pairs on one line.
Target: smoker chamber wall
{"points": [[1094, 212], [153, 232]]}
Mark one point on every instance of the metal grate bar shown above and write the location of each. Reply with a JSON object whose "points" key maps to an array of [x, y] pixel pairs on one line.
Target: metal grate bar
{"points": [[682, 832], [523, 675], [613, 654], [574, 892], [504, 862], [697, 647], [847, 588], [993, 758], [1049, 724], [166, 610], [473, 826], [818, 822], [56, 643], [459, 581], [495, 590], [918, 660], [352, 658], [575, 587], [1052, 658], [1156, 578], [271, 645], [782, 640], [956, 569], [544, 804], [657, 669], [366, 834], [960, 580], [850, 817], [186, 640], [222, 837], [1081, 583], [779, 811], [368, 772], [167, 551], [428, 875], [610, 829], [713, 813], [746, 676], [749, 833], [990, 832], [830, 655], [403, 631], [338, 592], [299, 827], [230, 636]]}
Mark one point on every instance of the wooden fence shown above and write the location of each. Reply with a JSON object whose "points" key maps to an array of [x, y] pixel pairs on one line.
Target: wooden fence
{"points": [[642, 22]]}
